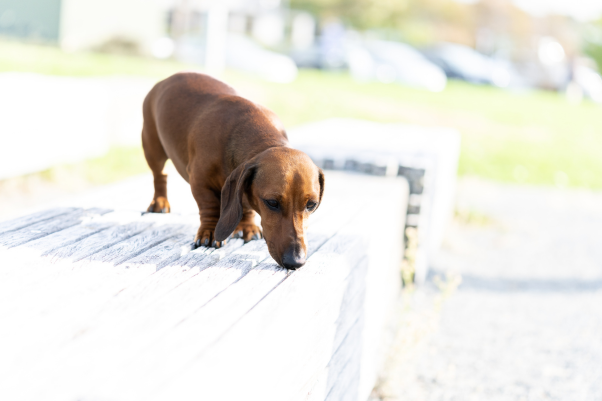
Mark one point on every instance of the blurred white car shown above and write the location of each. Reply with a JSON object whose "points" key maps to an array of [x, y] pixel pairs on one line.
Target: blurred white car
{"points": [[245, 55], [589, 81], [388, 62], [467, 64]]}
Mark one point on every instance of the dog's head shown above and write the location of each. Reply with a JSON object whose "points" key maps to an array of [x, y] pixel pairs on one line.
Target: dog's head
{"points": [[285, 187]]}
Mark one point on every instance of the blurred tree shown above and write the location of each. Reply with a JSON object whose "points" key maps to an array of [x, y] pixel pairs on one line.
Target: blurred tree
{"points": [[593, 42], [430, 21], [418, 21], [361, 14]]}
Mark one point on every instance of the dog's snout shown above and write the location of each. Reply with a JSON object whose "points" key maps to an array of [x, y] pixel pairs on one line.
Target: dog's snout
{"points": [[293, 258]]}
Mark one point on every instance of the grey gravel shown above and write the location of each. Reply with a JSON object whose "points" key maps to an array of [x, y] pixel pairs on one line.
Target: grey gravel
{"points": [[526, 321]]}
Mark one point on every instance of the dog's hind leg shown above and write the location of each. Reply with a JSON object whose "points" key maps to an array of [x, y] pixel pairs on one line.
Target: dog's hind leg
{"points": [[155, 157]]}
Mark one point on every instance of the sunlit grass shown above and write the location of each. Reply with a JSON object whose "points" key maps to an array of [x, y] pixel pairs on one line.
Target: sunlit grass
{"points": [[526, 137], [117, 164], [50, 60], [537, 134]]}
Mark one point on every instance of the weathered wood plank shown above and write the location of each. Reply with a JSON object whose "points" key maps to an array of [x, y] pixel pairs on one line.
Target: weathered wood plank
{"points": [[112, 281], [153, 288], [162, 254], [333, 380], [130, 333], [45, 350], [345, 366], [76, 317], [156, 296], [65, 314], [259, 280], [250, 285], [286, 308], [97, 242], [67, 290], [21, 222], [303, 292], [42, 277], [47, 275], [210, 322], [46, 227], [54, 241], [132, 246], [24, 265]]}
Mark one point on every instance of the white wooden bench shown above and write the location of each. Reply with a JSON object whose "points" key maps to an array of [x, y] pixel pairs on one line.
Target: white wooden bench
{"points": [[427, 156], [107, 305]]}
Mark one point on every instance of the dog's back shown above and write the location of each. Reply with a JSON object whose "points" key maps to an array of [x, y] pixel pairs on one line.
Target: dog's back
{"points": [[175, 104], [192, 112]]}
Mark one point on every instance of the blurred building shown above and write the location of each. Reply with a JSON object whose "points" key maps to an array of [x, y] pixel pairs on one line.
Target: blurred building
{"points": [[85, 24], [31, 19], [210, 33]]}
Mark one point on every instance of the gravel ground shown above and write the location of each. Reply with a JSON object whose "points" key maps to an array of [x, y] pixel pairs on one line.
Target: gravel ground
{"points": [[526, 321]]}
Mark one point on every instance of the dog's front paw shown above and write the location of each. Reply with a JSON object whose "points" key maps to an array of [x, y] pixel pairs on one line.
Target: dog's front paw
{"points": [[248, 232], [159, 205], [205, 237]]}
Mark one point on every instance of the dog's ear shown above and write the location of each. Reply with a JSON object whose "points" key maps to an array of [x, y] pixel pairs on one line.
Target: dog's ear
{"points": [[231, 204], [321, 181]]}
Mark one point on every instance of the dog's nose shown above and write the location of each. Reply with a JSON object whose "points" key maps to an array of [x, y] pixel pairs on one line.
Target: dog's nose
{"points": [[293, 259]]}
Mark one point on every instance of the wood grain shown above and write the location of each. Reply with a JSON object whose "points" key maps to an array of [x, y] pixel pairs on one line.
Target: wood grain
{"points": [[119, 307], [46, 227], [24, 221], [97, 242]]}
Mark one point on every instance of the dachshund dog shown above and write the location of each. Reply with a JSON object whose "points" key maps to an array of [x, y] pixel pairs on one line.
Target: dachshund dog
{"points": [[236, 157]]}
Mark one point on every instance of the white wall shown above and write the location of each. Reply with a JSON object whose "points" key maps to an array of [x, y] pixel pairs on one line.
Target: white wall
{"points": [[48, 121]]}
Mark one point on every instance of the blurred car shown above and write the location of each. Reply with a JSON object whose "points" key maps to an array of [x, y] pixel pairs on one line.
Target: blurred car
{"points": [[309, 57], [388, 62], [327, 53], [589, 81], [462, 62], [243, 54]]}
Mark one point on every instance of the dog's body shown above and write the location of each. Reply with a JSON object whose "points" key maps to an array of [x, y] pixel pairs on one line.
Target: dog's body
{"points": [[235, 155]]}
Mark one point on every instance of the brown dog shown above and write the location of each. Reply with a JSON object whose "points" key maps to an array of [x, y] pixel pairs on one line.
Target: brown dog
{"points": [[236, 157]]}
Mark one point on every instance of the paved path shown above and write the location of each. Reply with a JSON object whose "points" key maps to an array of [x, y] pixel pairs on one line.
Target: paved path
{"points": [[526, 321]]}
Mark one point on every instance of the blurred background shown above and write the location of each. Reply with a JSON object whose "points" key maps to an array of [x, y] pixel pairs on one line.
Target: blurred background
{"points": [[519, 79]]}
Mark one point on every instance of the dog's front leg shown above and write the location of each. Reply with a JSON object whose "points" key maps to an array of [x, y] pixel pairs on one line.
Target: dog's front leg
{"points": [[209, 211], [247, 229]]}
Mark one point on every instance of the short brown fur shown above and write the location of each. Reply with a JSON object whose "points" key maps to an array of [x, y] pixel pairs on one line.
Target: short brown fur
{"points": [[236, 157]]}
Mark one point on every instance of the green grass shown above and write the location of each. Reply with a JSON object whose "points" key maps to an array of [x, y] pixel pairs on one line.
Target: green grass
{"points": [[117, 164], [528, 137], [531, 137], [52, 61]]}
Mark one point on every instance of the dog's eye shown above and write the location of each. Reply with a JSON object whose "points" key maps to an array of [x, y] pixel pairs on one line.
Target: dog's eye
{"points": [[272, 204], [311, 205]]}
